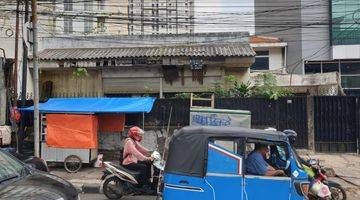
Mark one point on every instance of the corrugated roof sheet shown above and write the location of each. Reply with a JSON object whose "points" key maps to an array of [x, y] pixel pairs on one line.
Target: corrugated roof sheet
{"points": [[234, 49]]}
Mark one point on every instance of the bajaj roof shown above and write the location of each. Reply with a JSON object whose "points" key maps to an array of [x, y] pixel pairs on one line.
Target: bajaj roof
{"points": [[188, 147]]}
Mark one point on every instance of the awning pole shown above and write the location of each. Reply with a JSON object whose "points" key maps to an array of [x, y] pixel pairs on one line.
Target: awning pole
{"points": [[143, 121]]}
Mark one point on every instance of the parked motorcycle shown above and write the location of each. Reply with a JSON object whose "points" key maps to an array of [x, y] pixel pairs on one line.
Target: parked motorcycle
{"points": [[120, 181], [321, 187]]}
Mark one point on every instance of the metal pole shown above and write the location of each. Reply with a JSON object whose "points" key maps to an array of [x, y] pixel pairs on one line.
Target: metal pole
{"points": [[36, 78], [24, 75], [25, 57], [15, 79]]}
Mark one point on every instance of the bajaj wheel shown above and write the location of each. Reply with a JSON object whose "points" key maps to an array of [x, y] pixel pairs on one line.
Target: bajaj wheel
{"points": [[113, 188], [72, 164]]}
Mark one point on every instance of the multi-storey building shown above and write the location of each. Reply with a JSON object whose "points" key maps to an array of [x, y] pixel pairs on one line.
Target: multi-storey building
{"points": [[160, 17]]}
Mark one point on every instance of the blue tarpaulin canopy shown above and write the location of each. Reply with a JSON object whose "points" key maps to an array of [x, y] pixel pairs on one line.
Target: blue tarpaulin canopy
{"points": [[95, 105]]}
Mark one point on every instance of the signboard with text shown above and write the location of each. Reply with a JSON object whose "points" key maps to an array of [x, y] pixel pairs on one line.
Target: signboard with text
{"points": [[220, 117]]}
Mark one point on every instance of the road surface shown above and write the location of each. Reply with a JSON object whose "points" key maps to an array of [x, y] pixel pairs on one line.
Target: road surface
{"points": [[103, 197]]}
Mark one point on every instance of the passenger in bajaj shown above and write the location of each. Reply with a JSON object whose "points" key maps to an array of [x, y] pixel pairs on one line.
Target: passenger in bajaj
{"points": [[135, 156], [256, 162]]}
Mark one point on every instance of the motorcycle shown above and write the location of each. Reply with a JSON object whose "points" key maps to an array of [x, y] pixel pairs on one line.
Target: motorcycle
{"points": [[320, 186], [120, 181]]}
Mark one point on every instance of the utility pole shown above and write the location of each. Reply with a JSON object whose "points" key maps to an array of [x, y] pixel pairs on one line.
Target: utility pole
{"points": [[24, 75], [15, 79], [25, 56], [36, 78]]}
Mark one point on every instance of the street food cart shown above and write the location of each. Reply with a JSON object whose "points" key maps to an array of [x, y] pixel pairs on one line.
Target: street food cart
{"points": [[70, 126]]}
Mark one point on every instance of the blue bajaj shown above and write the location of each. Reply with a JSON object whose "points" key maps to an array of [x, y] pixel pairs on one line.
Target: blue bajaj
{"points": [[209, 163]]}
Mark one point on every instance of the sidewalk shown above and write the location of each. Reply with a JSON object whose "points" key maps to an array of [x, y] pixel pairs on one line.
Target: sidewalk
{"points": [[87, 180], [346, 166]]}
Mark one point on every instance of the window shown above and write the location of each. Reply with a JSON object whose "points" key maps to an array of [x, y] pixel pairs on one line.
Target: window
{"points": [[330, 67], [312, 68], [88, 5], [277, 155], [261, 61], [227, 144], [101, 24], [68, 25], [344, 15], [68, 5], [101, 4], [226, 152], [88, 25], [350, 74]]}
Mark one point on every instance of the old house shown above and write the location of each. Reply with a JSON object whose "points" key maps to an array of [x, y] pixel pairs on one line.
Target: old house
{"points": [[156, 69]]}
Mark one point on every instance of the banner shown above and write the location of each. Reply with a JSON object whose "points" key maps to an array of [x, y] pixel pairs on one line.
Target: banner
{"points": [[220, 117]]}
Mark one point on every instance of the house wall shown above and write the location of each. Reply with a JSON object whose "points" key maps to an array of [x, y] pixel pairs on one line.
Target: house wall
{"points": [[65, 84], [147, 80], [276, 56]]}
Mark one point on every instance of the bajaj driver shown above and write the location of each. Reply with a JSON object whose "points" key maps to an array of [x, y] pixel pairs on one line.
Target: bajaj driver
{"points": [[135, 156], [257, 165]]}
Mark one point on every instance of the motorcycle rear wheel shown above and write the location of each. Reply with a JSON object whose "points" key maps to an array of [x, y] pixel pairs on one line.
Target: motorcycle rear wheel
{"points": [[337, 193], [113, 188]]}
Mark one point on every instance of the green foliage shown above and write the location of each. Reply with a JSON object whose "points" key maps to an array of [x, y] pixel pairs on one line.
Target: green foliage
{"points": [[80, 72], [241, 90], [182, 96], [219, 90], [265, 86]]}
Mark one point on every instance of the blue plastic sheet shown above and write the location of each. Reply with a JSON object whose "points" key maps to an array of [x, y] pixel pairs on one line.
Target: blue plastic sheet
{"points": [[95, 105]]}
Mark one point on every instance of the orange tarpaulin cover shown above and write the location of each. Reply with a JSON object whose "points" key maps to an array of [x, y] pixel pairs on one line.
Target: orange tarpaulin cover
{"points": [[111, 122], [72, 131]]}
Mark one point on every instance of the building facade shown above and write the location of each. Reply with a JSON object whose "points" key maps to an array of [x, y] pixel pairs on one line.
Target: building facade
{"points": [[344, 38], [156, 65], [160, 17]]}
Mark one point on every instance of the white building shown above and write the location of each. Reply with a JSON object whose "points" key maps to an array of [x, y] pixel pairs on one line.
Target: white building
{"points": [[160, 17]]}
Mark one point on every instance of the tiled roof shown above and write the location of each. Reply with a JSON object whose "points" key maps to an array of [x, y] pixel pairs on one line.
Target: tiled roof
{"points": [[264, 39], [226, 50]]}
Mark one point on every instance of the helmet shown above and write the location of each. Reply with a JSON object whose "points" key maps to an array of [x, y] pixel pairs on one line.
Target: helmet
{"points": [[291, 134], [136, 133]]}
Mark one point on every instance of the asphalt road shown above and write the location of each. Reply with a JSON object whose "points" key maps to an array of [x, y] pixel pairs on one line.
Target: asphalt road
{"points": [[103, 197]]}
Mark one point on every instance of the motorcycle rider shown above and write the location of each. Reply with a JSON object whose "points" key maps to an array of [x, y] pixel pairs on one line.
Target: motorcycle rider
{"points": [[135, 156]]}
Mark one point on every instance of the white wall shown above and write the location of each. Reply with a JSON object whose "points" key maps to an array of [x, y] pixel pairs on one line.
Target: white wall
{"points": [[275, 59], [346, 51]]}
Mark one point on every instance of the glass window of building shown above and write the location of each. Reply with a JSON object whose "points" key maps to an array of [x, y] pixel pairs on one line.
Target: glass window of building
{"points": [[345, 27], [261, 61], [68, 5], [68, 25], [312, 68], [330, 67]]}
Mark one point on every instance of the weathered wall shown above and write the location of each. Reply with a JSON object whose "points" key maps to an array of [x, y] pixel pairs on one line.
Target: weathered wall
{"points": [[147, 79], [65, 84]]}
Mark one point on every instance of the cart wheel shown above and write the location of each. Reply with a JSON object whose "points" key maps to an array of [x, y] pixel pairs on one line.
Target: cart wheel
{"points": [[72, 164]]}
